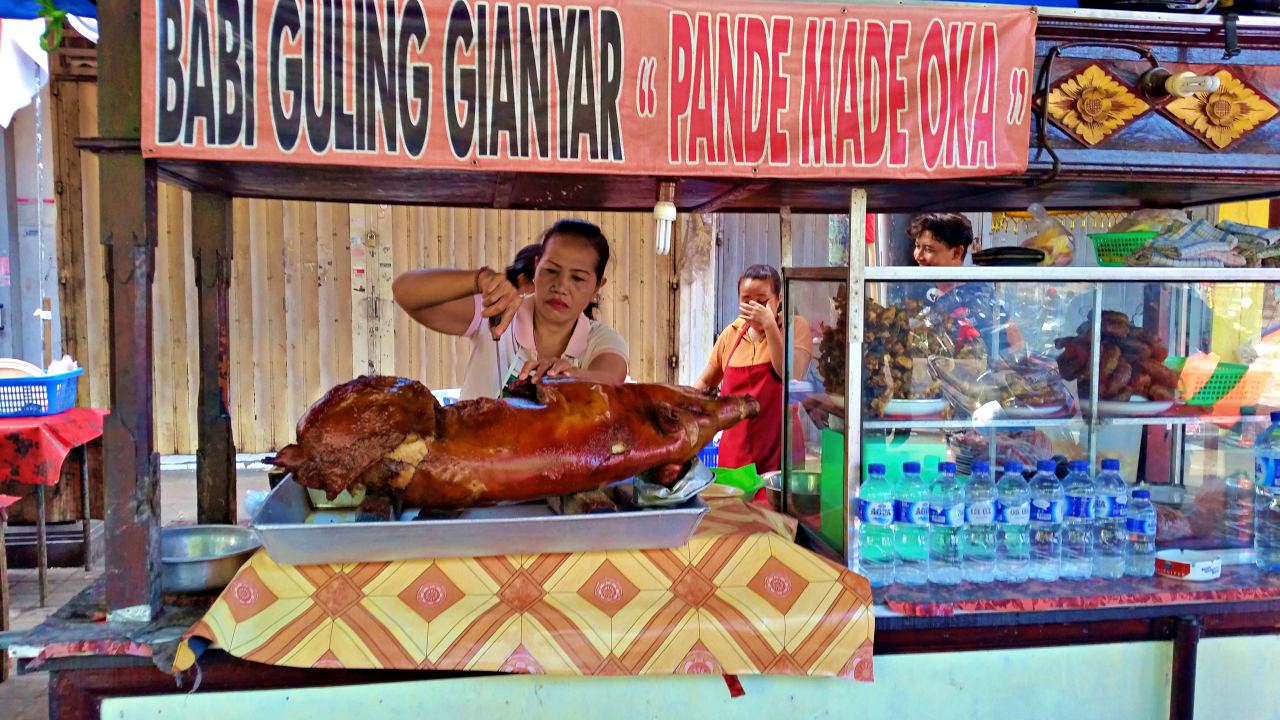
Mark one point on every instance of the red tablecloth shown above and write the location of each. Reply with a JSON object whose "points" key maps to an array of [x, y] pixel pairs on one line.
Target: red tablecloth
{"points": [[32, 449]]}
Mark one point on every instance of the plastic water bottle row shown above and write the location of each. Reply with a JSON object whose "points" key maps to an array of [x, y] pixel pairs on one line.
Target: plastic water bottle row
{"points": [[981, 530]]}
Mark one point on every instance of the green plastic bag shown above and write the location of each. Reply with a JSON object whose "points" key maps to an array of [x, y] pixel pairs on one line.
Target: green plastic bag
{"points": [[745, 479]]}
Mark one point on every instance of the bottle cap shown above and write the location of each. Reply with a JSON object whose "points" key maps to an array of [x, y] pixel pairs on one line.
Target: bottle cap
{"points": [[1143, 494], [981, 466], [1275, 416], [1078, 466], [875, 469], [1047, 466], [1111, 464], [910, 467], [947, 467], [1013, 466]]}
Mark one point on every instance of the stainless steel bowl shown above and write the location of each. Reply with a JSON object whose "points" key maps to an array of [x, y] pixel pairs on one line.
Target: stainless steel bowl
{"points": [[773, 488], [804, 496], [804, 491], [203, 558]]}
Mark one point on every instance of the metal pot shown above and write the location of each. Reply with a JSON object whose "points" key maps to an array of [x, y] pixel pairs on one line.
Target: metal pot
{"points": [[204, 558]]}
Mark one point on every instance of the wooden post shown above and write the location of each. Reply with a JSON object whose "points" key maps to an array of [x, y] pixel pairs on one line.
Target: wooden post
{"points": [[46, 326], [211, 247], [1182, 683], [72, 271], [128, 190], [785, 247], [4, 598], [695, 259]]}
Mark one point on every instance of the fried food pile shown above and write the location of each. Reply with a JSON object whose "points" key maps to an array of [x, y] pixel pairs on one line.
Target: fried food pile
{"points": [[1131, 363], [1030, 382], [553, 438], [894, 337]]}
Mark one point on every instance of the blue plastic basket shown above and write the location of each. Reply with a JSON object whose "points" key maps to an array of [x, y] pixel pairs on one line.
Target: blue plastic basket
{"points": [[38, 396], [710, 455]]}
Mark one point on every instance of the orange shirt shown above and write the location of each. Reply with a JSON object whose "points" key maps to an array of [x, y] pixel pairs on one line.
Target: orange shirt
{"points": [[755, 352]]}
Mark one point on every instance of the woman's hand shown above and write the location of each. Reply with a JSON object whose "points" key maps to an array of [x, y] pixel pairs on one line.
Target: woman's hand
{"points": [[499, 299], [536, 370], [761, 316]]}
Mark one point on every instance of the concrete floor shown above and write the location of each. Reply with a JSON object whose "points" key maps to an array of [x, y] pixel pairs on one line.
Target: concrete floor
{"points": [[25, 697]]}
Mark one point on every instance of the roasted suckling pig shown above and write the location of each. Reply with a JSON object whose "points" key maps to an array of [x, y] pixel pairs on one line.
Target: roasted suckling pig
{"points": [[553, 438]]}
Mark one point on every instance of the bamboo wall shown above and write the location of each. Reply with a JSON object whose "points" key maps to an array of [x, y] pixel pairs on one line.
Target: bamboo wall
{"points": [[311, 297]]}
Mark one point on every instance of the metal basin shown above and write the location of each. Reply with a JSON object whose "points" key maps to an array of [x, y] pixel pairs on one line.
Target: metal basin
{"points": [[203, 558], [804, 496]]}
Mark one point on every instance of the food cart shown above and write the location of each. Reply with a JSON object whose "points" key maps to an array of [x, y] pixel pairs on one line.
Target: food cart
{"points": [[827, 125]]}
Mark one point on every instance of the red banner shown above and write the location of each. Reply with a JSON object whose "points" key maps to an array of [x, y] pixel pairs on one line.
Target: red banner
{"points": [[789, 90]]}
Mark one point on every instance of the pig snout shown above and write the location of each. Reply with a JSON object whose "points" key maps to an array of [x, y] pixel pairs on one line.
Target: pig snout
{"points": [[736, 409]]}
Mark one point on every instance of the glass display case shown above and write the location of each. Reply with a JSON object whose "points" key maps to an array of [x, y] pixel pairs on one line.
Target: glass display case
{"points": [[1006, 363]]}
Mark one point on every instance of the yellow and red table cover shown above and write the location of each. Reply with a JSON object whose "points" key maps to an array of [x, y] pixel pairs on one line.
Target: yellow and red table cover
{"points": [[741, 598]]}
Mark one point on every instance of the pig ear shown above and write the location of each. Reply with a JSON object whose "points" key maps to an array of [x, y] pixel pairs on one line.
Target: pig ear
{"points": [[290, 458], [667, 419]]}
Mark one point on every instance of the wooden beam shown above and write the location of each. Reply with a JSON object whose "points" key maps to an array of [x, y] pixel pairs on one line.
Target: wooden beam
{"points": [[735, 194], [211, 248], [72, 270], [128, 192], [502, 190]]}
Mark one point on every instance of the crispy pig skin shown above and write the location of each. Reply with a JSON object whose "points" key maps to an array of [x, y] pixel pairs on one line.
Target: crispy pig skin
{"points": [[557, 438]]}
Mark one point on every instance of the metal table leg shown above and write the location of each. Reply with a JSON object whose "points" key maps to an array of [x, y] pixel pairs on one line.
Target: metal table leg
{"points": [[42, 549], [84, 504]]}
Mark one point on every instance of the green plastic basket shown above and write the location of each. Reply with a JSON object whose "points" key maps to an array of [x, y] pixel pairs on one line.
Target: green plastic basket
{"points": [[1112, 248], [1224, 379]]}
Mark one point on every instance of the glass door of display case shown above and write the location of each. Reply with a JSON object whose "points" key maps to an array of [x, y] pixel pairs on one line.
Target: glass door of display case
{"points": [[1007, 363]]}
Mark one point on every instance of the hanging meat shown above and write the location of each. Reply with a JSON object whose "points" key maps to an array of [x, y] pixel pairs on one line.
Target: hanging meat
{"points": [[553, 438]]}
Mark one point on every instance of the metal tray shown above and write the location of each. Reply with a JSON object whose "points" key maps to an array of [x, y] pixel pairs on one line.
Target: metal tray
{"points": [[294, 533]]}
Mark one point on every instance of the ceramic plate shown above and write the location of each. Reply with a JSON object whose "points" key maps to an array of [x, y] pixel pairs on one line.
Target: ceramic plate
{"points": [[14, 368], [915, 408], [1033, 411], [1131, 408]]}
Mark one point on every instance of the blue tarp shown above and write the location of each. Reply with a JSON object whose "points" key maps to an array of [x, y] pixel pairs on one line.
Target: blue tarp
{"points": [[30, 9]]}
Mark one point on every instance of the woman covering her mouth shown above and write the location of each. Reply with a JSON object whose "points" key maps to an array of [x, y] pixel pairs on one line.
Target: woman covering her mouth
{"points": [[543, 333]]}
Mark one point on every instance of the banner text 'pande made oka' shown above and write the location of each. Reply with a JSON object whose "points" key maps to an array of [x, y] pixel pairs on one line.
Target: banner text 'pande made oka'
{"points": [[786, 90]]}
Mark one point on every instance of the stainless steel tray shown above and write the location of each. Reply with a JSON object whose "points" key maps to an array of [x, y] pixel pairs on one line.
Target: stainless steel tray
{"points": [[294, 533]]}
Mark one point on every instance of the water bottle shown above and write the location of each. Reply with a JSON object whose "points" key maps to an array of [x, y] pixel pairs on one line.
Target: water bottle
{"points": [[978, 550], [1140, 524], [1047, 508], [1077, 528], [1013, 512], [1266, 493], [1109, 540], [875, 532], [1237, 512], [911, 526], [946, 520]]}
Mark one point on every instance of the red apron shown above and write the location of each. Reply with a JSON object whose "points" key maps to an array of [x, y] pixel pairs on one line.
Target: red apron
{"points": [[758, 440]]}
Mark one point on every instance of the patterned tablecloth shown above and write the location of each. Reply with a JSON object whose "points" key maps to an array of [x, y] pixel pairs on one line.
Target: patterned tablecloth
{"points": [[741, 598], [32, 449]]}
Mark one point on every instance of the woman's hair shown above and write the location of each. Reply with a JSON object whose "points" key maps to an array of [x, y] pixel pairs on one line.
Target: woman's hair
{"points": [[578, 228], [585, 231], [763, 272], [950, 229], [524, 264]]}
